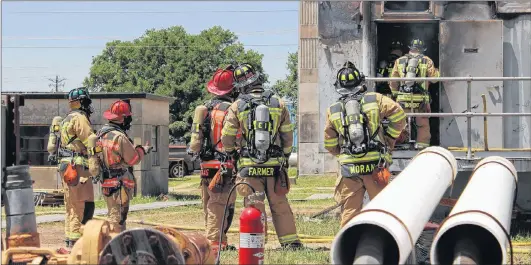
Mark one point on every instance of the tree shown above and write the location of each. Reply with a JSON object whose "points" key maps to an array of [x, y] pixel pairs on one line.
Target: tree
{"points": [[289, 86], [169, 62]]}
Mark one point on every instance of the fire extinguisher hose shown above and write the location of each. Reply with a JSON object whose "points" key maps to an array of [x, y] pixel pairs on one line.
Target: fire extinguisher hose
{"points": [[218, 258]]}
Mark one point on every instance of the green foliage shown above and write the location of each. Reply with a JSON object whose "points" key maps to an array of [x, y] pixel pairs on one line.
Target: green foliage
{"points": [[289, 86], [169, 62]]}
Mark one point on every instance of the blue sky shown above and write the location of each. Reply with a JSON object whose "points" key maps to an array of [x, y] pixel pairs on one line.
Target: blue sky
{"points": [[28, 69]]}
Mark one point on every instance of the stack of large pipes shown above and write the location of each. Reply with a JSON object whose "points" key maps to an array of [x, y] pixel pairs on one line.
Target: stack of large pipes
{"points": [[476, 231]]}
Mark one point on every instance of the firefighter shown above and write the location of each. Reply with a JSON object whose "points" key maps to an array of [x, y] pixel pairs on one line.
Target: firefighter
{"points": [[354, 134], [206, 144], [414, 96], [118, 154], [72, 146], [385, 67], [262, 160]]}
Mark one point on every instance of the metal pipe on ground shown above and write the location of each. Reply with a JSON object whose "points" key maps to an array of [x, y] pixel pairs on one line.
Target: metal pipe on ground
{"points": [[21, 223], [477, 228], [398, 214]]}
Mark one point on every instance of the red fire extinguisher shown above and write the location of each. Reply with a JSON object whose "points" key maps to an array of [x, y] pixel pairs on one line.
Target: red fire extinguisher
{"points": [[252, 239]]}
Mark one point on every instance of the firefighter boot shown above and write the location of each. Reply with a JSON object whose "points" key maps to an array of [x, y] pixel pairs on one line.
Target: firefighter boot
{"points": [[297, 245]]}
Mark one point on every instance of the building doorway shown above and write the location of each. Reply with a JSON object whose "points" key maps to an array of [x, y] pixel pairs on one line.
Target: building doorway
{"points": [[405, 32]]}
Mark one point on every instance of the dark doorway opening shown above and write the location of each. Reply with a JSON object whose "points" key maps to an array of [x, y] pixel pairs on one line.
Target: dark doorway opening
{"points": [[406, 6], [405, 32]]}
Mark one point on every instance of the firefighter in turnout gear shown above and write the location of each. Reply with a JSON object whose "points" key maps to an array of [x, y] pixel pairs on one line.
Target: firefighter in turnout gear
{"points": [[217, 170], [414, 96], [72, 146], [262, 160], [354, 134], [118, 154], [385, 67]]}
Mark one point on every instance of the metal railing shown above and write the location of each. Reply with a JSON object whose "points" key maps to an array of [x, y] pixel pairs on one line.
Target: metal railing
{"points": [[469, 114]]}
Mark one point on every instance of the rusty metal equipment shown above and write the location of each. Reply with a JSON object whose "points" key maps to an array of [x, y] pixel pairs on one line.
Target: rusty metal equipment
{"points": [[98, 245], [161, 245], [20, 209]]}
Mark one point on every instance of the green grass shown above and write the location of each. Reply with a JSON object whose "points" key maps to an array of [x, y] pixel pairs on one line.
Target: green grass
{"points": [[187, 181], [100, 204], [306, 186], [273, 256]]}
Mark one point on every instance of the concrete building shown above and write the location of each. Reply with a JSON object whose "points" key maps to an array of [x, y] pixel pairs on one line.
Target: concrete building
{"points": [[481, 39], [150, 123]]}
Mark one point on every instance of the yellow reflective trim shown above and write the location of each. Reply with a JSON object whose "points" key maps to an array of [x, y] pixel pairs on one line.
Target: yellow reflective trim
{"points": [[394, 133], [350, 76], [227, 131], [288, 238], [331, 140], [343, 78], [370, 156], [399, 115], [287, 128], [369, 106], [78, 160], [74, 236], [245, 162], [423, 144], [405, 97], [287, 149]]}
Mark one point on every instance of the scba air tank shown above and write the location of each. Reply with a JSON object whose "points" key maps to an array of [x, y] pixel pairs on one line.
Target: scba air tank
{"points": [[198, 123], [262, 136], [54, 131], [411, 71], [355, 127]]}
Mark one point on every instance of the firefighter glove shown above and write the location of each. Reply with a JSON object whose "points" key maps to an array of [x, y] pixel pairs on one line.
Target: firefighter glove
{"points": [[52, 158]]}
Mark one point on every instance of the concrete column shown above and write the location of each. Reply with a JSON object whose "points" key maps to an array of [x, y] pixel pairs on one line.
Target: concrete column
{"points": [[310, 160]]}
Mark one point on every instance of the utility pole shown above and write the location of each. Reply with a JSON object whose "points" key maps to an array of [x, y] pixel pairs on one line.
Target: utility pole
{"points": [[56, 83]]}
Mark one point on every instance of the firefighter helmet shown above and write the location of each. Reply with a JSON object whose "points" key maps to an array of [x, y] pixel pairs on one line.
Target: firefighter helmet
{"points": [[222, 81], [349, 79], [396, 45], [418, 44], [245, 76], [78, 94], [118, 110]]}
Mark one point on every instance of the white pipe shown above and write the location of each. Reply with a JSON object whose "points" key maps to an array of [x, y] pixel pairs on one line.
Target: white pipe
{"points": [[490, 194], [402, 209]]}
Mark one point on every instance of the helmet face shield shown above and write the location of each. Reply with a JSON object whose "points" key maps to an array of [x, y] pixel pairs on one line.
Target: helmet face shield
{"points": [[245, 76], [417, 44], [246, 81]]}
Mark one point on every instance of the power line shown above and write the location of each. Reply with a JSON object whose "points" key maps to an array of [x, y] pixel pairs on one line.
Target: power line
{"points": [[132, 46], [149, 12], [131, 37]]}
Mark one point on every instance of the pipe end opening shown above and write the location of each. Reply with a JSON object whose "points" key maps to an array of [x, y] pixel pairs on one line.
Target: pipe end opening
{"points": [[366, 240], [468, 244]]}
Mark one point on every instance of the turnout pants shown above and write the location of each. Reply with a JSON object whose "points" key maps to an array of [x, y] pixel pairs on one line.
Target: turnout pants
{"points": [[214, 207], [79, 204], [283, 218], [351, 191], [422, 127]]}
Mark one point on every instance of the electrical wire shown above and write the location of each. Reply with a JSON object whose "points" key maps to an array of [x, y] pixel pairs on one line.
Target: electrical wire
{"points": [[258, 32], [148, 12], [137, 46]]}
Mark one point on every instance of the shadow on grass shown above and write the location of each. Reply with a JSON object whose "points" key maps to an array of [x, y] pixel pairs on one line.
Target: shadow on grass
{"points": [[184, 197]]}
